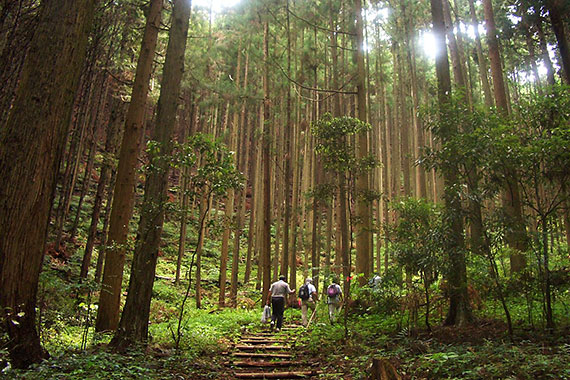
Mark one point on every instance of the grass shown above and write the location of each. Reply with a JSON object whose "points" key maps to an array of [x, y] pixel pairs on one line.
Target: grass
{"points": [[377, 329]]}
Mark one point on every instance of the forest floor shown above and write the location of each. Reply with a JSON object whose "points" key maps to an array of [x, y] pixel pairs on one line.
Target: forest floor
{"points": [[339, 351], [480, 351]]}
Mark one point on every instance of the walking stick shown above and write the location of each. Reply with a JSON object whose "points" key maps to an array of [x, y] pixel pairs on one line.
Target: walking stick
{"points": [[312, 315]]}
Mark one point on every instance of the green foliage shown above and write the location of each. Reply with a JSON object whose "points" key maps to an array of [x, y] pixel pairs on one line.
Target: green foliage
{"points": [[333, 143], [206, 332], [98, 365], [383, 298], [492, 360], [216, 173], [417, 238]]}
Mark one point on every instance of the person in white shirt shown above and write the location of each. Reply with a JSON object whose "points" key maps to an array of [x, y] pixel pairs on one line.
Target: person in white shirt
{"points": [[276, 297], [308, 298]]}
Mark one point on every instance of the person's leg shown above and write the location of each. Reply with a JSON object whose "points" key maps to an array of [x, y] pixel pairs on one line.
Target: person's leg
{"points": [[279, 309], [331, 311], [304, 312], [311, 308]]}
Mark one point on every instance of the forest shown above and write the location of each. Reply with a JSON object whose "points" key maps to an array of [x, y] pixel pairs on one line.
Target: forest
{"points": [[164, 162]]}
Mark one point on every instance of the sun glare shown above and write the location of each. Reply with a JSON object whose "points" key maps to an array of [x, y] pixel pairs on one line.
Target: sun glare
{"points": [[428, 44], [217, 6]]}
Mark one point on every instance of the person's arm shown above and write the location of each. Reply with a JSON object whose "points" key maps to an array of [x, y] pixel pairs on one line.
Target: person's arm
{"points": [[315, 296], [268, 298], [289, 289]]}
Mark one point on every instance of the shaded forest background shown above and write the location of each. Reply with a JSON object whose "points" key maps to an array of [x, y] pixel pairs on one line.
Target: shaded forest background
{"points": [[162, 164]]}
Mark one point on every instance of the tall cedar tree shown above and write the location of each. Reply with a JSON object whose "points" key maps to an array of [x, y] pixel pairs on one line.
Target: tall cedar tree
{"points": [[459, 309], [266, 234], [516, 234], [287, 150], [31, 147], [363, 226], [133, 326], [124, 192], [556, 10], [230, 200], [116, 121]]}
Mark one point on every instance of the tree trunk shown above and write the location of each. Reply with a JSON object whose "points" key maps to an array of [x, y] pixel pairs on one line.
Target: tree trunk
{"points": [[266, 209], [363, 227], [459, 309], [229, 206], [115, 123], [557, 9], [516, 234], [91, 155], [287, 151], [481, 60], [204, 212], [295, 207], [73, 156], [133, 326], [244, 163], [476, 220], [124, 191], [17, 27], [31, 147], [72, 164], [253, 157], [186, 123], [531, 60], [105, 230], [385, 157], [183, 224], [545, 55]]}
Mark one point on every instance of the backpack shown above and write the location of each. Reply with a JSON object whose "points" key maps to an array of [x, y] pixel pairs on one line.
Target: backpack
{"points": [[304, 292], [332, 291]]}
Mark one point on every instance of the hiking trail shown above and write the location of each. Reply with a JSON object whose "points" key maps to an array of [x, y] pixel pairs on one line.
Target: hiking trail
{"points": [[265, 354]]}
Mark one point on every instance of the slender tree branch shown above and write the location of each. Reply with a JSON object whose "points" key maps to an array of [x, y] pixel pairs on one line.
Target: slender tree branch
{"points": [[320, 27], [313, 88]]}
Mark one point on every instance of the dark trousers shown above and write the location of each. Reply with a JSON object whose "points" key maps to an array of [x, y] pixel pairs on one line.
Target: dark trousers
{"points": [[278, 305]]}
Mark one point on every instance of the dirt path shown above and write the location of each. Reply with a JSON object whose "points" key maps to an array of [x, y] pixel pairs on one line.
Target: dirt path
{"points": [[262, 354]]}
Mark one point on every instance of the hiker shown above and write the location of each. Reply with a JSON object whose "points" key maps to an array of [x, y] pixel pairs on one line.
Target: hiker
{"points": [[334, 299], [276, 297], [308, 296], [374, 282]]}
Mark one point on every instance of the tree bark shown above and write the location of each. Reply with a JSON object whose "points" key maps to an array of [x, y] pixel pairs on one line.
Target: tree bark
{"points": [[94, 128], [516, 233], [459, 74], [187, 127], [556, 10], [481, 60], [229, 206], [363, 227], [133, 326], [459, 309], [124, 191], [266, 209], [105, 230], [244, 163], [253, 157], [31, 147], [287, 151], [115, 123]]}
